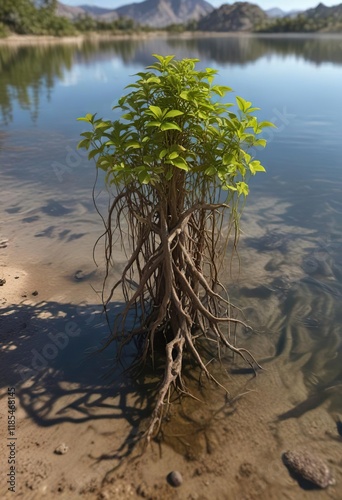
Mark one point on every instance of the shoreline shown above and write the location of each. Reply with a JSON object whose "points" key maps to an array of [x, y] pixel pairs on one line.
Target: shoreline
{"points": [[15, 39]]}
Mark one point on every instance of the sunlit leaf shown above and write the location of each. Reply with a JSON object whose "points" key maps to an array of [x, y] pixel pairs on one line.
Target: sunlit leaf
{"points": [[170, 126]]}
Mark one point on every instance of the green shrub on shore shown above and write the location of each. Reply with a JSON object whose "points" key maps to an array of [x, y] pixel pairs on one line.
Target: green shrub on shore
{"points": [[29, 17], [4, 32]]}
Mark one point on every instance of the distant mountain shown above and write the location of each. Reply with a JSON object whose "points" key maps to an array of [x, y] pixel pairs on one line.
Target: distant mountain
{"points": [[95, 11], [293, 13], [100, 13], [154, 13], [73, 13], [275, 12], [321, 19], [161, 13], [68, 11], [324, 12], [240, 16]]}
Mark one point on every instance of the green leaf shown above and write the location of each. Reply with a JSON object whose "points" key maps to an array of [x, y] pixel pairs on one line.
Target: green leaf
{"points": [[103, 125], [260, 142], [227, 158], [87, 118], [170, 126], [93, 153], [243, 104], [153, 124], [127, 116], [131, 86], [184, 95], [210, 171], [84, 144], [180, 163], [173, 113], [162, 154], [220, 90], [132, 145], [160, 58], [173, 155], [242, 188], [88, 135], [267, 124], [144, 177], [153, 79], [255, 166], [157, 112]]}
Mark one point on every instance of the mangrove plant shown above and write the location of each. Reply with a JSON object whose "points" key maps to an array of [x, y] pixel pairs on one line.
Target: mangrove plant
{"points": [[177, 163]]}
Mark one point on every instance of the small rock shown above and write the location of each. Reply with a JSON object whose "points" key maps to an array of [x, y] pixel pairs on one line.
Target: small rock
{"points": [[2, 281], [79, 275], [174, 478], [61, 449], [35, 293], [308, 467]]}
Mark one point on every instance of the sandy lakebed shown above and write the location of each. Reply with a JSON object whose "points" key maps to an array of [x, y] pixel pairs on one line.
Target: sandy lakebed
{"points": [[49, 320]]}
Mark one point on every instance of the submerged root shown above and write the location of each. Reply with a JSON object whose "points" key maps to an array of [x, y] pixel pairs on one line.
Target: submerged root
{"points": [[174, 264]]}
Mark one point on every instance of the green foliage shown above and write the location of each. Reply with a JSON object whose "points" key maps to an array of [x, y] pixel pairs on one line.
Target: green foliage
{"points": [[88, 24], [30, 17], [174, 119], [3, 30], [302, 23]]}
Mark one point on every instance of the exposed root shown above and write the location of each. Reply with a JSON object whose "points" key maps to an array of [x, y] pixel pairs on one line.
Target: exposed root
{"points": [[178, 297]]}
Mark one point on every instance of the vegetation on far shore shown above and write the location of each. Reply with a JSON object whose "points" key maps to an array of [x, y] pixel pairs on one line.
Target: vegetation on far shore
{"points": [[38, 17]]}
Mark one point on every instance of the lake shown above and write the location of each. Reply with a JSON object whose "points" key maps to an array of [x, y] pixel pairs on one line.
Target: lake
{"points": [[290, 281]]}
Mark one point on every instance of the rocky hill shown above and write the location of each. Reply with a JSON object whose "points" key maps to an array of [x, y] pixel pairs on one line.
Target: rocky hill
{"points": [[236, 17], [155, 13], [319, 19], [240, 16], [161, 13], [100, 13], [68, 11]]}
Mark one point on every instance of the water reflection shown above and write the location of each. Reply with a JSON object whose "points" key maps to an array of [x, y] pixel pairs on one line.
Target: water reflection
{"points": [[27, 72]]}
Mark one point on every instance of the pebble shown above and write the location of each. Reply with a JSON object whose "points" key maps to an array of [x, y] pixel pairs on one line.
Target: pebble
{"points": [[61, 449], [339, 426], [2, 282], [35, 293], [175, 478], [309, 467], [79, 275]]}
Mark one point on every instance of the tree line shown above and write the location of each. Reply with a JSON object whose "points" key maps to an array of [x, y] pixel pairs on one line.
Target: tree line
{"points": [[38, 17]]}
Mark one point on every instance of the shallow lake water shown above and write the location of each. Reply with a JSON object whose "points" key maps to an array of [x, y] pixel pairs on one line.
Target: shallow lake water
{"points": [[290, 280]]}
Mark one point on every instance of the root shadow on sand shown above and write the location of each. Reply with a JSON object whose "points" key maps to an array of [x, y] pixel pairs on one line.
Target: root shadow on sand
{"points": [[49, 354]]}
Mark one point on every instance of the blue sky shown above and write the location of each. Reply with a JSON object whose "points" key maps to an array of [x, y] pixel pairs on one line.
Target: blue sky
{"points": [[285, 5]]}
